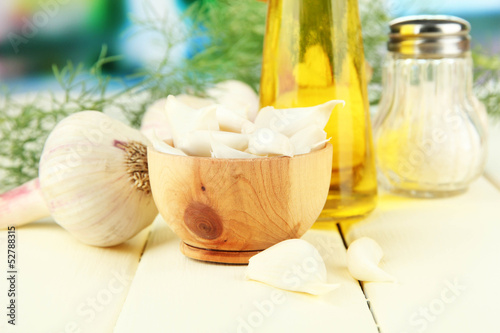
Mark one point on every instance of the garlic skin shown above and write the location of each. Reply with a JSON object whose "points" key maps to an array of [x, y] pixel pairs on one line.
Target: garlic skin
{"points": [[155, 121], [199, 143], [291, 121], [93, 176], [265, 141], [293, 265], [363, 258]]}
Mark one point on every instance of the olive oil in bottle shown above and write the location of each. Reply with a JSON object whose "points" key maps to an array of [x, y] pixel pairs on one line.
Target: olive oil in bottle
{"points": [[313, 53]]}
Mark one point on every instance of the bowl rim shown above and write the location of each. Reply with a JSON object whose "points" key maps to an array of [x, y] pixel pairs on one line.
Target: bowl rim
{"points": [[152, 150]]}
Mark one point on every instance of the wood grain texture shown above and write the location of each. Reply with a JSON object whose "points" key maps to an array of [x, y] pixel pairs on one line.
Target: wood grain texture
{"points": [[239, 204], [172, 293], [444, 254], [217, 256], [65, 286]]}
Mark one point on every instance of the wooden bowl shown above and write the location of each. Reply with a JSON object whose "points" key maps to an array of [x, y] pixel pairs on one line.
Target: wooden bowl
{"points": [[227, 210]]}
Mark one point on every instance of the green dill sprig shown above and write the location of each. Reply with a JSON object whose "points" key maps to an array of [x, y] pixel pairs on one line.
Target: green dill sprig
{"points": [[487, 81], [26, 124]]}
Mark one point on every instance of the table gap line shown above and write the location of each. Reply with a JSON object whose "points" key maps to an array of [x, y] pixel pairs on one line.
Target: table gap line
{"points": [[145, 245], [492, 180], [135, 273], [359, 282]]}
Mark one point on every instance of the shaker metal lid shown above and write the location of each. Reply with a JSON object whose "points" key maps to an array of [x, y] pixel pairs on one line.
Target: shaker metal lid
{"points": [[429, 35]]}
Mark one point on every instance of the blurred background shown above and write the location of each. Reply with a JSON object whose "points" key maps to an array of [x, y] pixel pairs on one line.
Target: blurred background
{"points": [[34, 34]]}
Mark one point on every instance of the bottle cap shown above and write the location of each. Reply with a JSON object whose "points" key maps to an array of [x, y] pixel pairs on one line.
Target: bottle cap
{"points": [[429, 36]]}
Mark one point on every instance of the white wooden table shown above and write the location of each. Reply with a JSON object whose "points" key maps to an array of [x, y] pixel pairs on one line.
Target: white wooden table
{"points": [[445, 254]]}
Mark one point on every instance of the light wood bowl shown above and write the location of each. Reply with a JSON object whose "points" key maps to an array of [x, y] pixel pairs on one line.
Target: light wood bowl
{"points": [[227, 210]]}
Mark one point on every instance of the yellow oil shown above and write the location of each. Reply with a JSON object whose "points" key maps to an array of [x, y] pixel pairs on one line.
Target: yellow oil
{"points": [[313, 53]]}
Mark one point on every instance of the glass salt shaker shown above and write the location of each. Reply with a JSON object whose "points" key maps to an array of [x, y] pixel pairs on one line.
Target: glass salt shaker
{"points": [[430, 131]]}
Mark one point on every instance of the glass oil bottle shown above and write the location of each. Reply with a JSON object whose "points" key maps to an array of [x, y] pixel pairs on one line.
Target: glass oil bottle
{"points": [[313, 53]]}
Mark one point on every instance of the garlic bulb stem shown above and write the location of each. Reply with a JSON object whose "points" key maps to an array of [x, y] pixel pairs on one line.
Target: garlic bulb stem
{"points": [[136, 162], [22, 205]]}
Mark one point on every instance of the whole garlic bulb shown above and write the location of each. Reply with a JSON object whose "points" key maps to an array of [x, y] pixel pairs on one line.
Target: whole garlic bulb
{"points": [[93, 178]]}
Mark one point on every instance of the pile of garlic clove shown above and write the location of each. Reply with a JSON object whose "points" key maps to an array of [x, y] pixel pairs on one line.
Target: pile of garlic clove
{"points": [[222, 131]]}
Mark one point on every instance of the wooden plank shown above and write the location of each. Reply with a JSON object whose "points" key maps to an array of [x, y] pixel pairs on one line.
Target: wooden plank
{"points": [[493, 162], [63, 285], [172, 293], [445, 255]]}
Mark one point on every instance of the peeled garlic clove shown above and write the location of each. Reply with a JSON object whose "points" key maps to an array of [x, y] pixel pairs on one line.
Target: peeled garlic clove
{"points": [[198, 143], [155, 121], [164, 147], [265, 141], [94, 178], [248, 128], [363, 258], [320, 145], [220, 150], [184, 119], [291, 121], [294, 265], [305, 140], [237, 96], [194, 101], [230, 120]]}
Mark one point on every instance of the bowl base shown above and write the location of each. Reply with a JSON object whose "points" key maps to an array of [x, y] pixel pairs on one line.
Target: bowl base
{"points": [[225, 257]]}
